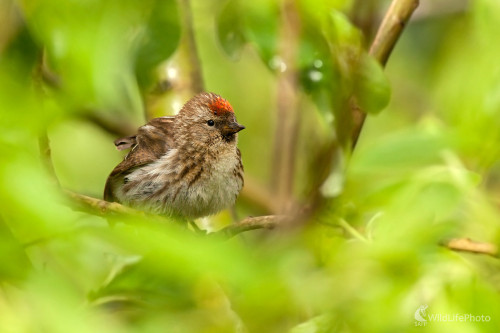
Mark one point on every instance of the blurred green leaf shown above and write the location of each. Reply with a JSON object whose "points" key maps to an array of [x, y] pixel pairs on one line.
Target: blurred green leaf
{"points": [[21, 54], [230, 28], [96, 47], [340, 31], [17, 267], [159, 38], [371, 88], [262, 19], [256, 22]]}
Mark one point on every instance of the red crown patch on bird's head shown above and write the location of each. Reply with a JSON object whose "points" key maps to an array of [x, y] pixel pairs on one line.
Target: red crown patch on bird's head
{"points": [[219, 105]]}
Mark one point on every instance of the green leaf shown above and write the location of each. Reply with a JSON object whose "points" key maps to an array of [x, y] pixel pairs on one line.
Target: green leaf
{"points": [[319, 72], [340, 31], [230, 29], [371, 86], [262, 19], [320, 8], [15, 261], [159, 40], [97, 47], [253, 21]]}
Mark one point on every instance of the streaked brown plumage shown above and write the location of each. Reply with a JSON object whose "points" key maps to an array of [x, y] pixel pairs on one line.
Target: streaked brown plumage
{"points": [[186, 166]]}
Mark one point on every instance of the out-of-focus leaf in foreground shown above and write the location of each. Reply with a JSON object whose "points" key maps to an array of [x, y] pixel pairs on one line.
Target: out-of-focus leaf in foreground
{"points": [[96, 47]]}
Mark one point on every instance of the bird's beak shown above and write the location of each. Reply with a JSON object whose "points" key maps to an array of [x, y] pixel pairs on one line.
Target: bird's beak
{"points": [[231, 128]]}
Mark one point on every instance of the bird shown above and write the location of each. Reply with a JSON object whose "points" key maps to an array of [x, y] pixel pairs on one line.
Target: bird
{"points": [[185, 166]]}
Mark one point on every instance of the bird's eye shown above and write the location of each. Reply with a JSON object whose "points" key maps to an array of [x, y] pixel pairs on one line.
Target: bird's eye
{"points": [[210, 122]]}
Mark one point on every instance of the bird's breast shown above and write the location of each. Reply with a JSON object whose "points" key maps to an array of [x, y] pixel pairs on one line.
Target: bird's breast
{"points": [[189, 185]]}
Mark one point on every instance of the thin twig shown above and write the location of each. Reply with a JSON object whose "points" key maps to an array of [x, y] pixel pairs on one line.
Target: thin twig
{"points": [[253, 223], [45, 74], [46, 156], [468, 245], [351, 230], [41, 75], [108, 209], [392, 26], [100, 207]]}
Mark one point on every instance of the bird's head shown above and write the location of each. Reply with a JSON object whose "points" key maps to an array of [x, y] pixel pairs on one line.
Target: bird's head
{"points": [[209, 119]]}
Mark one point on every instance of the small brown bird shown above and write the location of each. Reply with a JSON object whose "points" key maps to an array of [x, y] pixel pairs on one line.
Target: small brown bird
{"points": [[185, 166]]}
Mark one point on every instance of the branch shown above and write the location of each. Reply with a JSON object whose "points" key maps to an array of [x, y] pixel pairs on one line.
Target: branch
{"points": [[46, 157], [392, 26], [43, 73], [105, 208], [80, 201], [100, 207], [468, 245]]}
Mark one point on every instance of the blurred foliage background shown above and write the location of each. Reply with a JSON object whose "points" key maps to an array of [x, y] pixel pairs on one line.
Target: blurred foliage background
{"points": [[84, 72]]}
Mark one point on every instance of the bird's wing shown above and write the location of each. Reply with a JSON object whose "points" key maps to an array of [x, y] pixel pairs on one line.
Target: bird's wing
{"points": [[151, 142]]}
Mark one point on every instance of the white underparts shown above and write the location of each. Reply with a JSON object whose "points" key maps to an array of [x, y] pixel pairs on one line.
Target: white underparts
{"points": [[216, 188]]}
